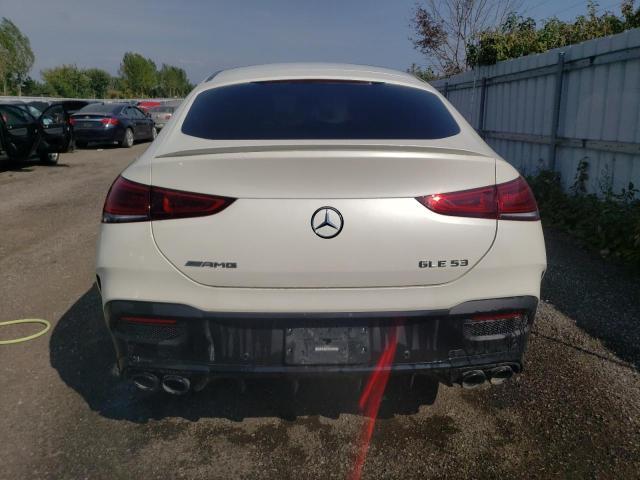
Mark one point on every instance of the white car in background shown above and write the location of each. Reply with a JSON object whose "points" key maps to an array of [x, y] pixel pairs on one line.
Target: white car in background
{"points": [[296, 219], [161, 114]]}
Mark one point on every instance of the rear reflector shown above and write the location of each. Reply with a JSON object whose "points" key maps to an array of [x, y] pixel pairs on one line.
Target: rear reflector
{"points": [[496, 316], [507, 201], [149, 321], [129, 201]]}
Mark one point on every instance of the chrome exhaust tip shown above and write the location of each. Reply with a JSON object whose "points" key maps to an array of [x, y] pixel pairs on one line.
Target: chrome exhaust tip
{"points": [[500, 374], [176, 384], [473, 378], [146, 381]]}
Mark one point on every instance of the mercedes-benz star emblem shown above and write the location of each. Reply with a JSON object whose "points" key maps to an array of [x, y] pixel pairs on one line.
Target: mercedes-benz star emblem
{"points": [[326, 222]]}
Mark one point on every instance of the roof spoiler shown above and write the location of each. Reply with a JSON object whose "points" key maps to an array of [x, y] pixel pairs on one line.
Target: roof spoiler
{"points": [[324, 147]]}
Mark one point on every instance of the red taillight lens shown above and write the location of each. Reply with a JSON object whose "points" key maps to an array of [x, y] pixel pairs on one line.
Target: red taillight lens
{"points": [[479, 203], [508, 201], [516, 201], [129, 201], [126, 201], [109, 121], [72, 121], [166, 204]]}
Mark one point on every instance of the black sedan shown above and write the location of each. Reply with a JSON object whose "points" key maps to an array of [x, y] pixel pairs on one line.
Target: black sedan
{"points": [[119, 123], [23, 133]]}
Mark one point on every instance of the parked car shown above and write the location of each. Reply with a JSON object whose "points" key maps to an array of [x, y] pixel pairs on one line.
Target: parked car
{"points": [[147, 104], [23, 134], [33, 110], [161, 115], [69, 106], [119, 123], [311, 219]]}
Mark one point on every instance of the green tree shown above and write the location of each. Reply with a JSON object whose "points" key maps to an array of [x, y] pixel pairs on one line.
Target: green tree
{"points": [[33, 87], [100, 81], [117, 88], [519, 36], [16, 56], [68, 81], [138, 73], [443, 28], [427, 74], [173, 81]]}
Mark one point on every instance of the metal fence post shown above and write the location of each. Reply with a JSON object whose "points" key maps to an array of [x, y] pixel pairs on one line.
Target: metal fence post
{"points": [[481, 113], [555, 120]]}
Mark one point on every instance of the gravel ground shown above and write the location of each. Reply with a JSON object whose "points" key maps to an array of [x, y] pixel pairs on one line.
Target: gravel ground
{"points": [[573, 413]]}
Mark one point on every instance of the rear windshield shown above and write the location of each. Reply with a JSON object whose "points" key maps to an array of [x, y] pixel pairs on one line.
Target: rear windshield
{"points": [[318, 109], [100, 108]]}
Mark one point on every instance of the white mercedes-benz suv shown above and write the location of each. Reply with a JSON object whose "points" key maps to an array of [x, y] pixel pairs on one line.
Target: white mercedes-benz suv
{"points": [[296, 219]]}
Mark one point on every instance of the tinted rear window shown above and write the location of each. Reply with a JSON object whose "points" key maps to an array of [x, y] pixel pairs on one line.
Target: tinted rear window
{"points": [[301, 110], [101, 109]]}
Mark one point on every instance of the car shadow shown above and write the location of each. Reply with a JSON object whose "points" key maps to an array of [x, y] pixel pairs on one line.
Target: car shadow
{"points": [[98, 146], [600, 295], [26, 166], [83, 355], [7, 165]]}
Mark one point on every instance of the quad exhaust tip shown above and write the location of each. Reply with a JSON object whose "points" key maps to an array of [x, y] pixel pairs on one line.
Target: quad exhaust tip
{"points": [[500, 374], [176, 384], [473, 379], [146, 381]]}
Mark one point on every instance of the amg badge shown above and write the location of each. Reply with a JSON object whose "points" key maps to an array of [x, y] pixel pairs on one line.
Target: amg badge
{"points": [[200, 263]]}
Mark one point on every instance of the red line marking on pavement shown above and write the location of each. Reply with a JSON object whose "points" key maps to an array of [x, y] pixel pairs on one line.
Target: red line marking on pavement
{"points": [[370, 400]]}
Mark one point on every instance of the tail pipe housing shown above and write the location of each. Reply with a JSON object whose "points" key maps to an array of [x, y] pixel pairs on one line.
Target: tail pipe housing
{"points": [[176, 384], [146, 381]]}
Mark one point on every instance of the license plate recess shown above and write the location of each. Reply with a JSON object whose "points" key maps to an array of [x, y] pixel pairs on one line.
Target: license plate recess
{"points": [[327, 346]]}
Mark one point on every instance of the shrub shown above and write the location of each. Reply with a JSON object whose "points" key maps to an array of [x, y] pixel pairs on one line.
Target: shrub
{"points": [[608, 223]]}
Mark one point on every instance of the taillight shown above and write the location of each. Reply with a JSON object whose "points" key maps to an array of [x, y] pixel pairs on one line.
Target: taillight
{"points": [[109, 121], [479, 203], [508, 201], [167, 204], [516, 201], [72, 121], [126, 201], [129, 201]]}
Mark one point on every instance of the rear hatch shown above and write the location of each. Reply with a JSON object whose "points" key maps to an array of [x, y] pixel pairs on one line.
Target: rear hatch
{"points": [[89, 121], [266, 238]]}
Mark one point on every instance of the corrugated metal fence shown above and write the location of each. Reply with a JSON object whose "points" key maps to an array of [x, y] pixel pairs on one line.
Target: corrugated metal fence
{"points": [[561, 107]]}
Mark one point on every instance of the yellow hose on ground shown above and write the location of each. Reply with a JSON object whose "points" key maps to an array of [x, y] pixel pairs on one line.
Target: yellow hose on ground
{"points": [[46, 328]]}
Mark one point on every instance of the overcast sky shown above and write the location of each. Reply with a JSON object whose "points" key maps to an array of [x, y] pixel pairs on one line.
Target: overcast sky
{"points": [[204, 36]]}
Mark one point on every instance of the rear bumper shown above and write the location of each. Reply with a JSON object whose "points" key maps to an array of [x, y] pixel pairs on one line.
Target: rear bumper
{"points": [[98, 135], [442, 343]]}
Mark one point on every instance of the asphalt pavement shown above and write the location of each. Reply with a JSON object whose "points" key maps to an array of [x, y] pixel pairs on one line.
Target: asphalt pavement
{"points": [[573, 413]]}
